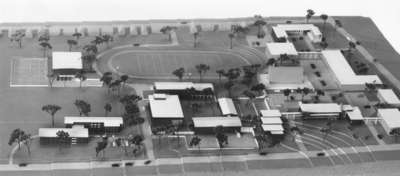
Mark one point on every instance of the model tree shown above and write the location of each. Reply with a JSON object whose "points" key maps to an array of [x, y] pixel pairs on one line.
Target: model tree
{"points": [[180, 72], [71, 43], [195, 141], [62, 138], [21, 137], [202, 69], [107, 109], [83, 107], [52, 110], [310, 13]]}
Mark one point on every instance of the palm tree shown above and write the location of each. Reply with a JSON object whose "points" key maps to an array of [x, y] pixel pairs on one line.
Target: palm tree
{"points": [[231, 35], [71, 43], [195, 35], [98, 40], [221, 137], [179, 73], [250, 95], [195, 141], [324, 17], [202, 69], [106, 79], [45, 46], [107, 109], [83, 107], [107, 39], [310, 13], [52, 77], [17, 37], [77, 35], [123, 79], [20, 137], [271, 61], [52, 110], [286, 92], [167, 30], [63, 138], [44, 38], [259, 23], [101, 146], [81, 76], [305, 92], [220, 73]]}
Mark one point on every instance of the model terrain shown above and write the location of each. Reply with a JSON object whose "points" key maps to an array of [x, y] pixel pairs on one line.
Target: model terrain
{"points": [[197, 95]]}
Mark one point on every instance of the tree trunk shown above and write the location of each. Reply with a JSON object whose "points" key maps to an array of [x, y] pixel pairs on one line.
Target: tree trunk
{"points": [[52, 121], [231, 43]]}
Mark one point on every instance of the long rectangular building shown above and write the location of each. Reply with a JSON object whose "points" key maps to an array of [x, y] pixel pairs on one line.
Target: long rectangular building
{"points": [[344, 74], [76, 134], [96, 125]]}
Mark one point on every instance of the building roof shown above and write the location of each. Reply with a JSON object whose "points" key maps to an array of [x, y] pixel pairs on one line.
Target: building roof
{"points": [[388, 96], [286, 75], [181, 85], [67, 60], [355, 114], [271, 120], [272, 127], [216, 121], [73, 132], [170, 107], [281, 29], [227, 106], [391, 117], [108, 121], [277, 49], [320, 108], [271, 113], [343, 71]]}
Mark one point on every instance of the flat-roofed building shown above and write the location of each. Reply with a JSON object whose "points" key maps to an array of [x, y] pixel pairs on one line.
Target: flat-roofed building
{"points": [[271, 113], [77, 134], [165, 108], [276, 129], [390, 120], [320, 110], [96, 125], [388, 96], [282, 31], [66, 64], [159, 86], [185, 90], [344, 74], [280, 78], [354, 115], [276, 49], [208, 124], [227, 106], [271, 120]]}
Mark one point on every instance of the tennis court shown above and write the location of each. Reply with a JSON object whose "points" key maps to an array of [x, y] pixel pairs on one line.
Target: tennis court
{"points": [[28, 72]]}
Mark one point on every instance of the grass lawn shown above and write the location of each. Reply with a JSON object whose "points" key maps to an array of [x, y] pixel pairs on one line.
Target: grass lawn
{"points": [[335, 40], [365, 31]]}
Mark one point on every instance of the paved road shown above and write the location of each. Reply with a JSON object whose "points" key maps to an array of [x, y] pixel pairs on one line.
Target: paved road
{"points": [[386, 168]]}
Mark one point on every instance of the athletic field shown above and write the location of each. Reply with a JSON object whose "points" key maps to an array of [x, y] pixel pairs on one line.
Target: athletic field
{"points": [[161, 63]]}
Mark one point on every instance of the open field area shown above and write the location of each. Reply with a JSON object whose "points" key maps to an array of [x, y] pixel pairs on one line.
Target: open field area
{"points": [[161, 63], [154, 57]]}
